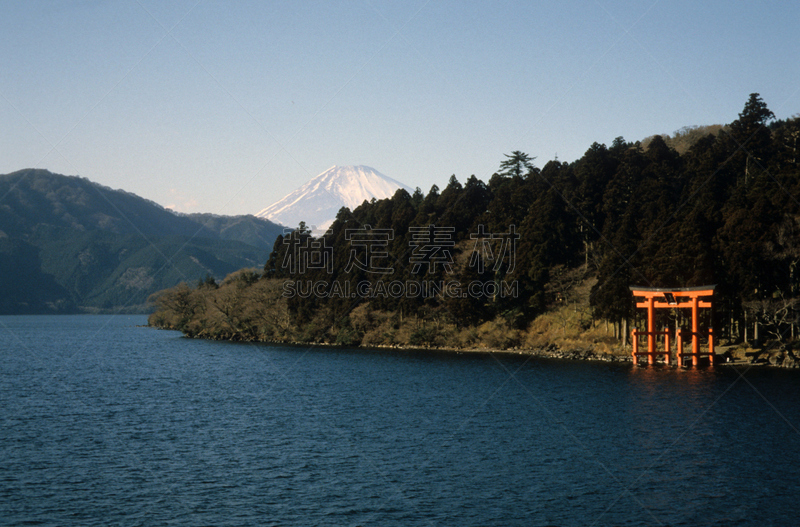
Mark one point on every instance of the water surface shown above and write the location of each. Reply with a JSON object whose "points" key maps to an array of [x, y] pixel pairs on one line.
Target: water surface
{"points": [[106, 423]]}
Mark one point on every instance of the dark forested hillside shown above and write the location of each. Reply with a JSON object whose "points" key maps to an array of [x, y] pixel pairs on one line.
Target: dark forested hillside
{"points": [[34, 197], [248, 229], [499, 257], [71, 244], [25, 287]]}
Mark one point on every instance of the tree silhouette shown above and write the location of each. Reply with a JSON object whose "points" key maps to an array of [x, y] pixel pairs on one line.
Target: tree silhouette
{"points": [[518, 164]]}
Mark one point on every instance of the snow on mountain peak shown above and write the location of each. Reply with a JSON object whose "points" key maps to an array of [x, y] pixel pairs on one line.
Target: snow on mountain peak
{"points": [[318, 201]]}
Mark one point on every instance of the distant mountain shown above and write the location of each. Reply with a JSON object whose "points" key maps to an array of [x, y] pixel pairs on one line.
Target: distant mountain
{"points": [[24, 287], [32, 197], [248, 229], [68, 244], [318, 201]]}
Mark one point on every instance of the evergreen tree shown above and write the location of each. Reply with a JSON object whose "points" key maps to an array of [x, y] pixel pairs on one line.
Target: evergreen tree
{"points": [[751, 138], [593, 171], [518, 164]]}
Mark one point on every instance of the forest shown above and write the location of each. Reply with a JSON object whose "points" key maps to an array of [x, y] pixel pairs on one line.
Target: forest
{"points": [[537, 256]]}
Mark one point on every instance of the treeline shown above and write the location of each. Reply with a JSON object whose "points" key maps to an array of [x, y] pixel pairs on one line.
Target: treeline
{"points": [[479, 262]]}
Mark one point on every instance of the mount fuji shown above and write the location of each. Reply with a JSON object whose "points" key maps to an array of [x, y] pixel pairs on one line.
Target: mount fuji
{"points": [[318, 201]]}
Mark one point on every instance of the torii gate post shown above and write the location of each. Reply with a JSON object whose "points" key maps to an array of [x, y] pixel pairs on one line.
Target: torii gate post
{"points": [[669, 297]]}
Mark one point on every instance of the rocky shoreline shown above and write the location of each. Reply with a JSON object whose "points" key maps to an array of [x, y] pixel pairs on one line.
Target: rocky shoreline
{"points": [[725, 356], [779, 357]]}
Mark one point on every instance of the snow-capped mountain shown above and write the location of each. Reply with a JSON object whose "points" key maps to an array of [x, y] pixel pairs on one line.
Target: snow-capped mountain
{"points": [[318, 201]]}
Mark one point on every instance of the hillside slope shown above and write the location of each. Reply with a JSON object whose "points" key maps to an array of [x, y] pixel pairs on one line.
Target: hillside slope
{"points": [[88, 247]]}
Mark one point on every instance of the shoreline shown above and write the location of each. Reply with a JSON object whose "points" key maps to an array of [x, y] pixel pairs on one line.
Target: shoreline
{"points": [[731, 356]]}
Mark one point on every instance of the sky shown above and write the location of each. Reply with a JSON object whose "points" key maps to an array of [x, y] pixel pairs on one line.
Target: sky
{"points": [[226, 107]]}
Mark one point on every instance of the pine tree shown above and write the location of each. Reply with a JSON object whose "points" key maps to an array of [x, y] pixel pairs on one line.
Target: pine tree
{"points": [[518, 164], [752, 137]]}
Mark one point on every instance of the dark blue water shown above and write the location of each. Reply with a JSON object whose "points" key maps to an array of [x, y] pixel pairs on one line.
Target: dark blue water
{"points": [[106, 423]]}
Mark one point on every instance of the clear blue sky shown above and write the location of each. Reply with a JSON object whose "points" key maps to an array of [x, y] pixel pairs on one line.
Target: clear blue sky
{"points": [[225, 107]]}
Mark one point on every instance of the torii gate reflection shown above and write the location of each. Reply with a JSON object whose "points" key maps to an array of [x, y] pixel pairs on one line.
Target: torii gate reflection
{"points": [[672, 298]]}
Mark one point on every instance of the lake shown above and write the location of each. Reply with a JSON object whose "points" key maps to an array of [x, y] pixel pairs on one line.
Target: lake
{"points": [[103, 422]]}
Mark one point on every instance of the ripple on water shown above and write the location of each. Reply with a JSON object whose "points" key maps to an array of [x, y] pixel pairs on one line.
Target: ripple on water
{"points": [[107, 423]]}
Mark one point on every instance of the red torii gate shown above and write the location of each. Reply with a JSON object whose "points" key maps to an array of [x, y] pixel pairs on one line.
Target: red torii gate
{"points": [[669, 298]]}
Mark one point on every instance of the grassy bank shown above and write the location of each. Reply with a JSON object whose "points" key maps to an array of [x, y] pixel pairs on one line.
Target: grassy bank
{"points": [[246, 307]]}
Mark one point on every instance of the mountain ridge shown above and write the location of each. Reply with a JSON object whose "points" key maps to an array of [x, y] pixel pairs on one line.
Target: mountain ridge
{"points": [[73, 245], [30, 197]]}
